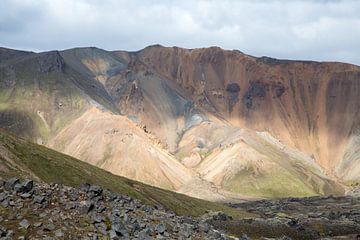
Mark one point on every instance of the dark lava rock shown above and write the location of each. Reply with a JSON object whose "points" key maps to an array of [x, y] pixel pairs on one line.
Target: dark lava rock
{"points": [[112, 215], [24, 224], [10, 184], [120, 229], [3, 196], [185, 230], [26, 195], [113, 235], [24, 187], [85, 187], [86, 207], [28, 185], [37, 224], [39, 199], [293, 222], [244, 237], [3, 231], [160, 228], [205, 227], [233, 88], [49, 227], [256, 89], [95, 191], [221, 217], [97, 218]]}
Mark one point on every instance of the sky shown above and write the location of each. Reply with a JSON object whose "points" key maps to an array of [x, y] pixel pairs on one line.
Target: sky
{"points": [[323, 30]]}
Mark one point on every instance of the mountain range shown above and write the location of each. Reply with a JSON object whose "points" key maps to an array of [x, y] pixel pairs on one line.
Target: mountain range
{"points": [[210, 123]]}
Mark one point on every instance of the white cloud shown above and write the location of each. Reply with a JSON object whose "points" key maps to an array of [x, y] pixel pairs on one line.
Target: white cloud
{"points": [[317, 30]]}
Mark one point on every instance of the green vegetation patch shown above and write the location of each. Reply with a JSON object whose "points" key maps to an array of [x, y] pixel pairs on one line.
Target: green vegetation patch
{"points": [[274, 184]]}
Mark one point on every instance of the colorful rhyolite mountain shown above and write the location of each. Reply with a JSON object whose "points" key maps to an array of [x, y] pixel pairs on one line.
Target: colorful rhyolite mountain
{"points": [[210, 123]]}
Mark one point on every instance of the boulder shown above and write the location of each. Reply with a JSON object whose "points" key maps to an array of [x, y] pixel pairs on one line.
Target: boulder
{"points": [[120, 229], [27, 185], [86, 207], [9, 184]]}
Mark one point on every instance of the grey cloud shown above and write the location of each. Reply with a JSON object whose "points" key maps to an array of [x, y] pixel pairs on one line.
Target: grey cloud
{"points": [[317, 30]]}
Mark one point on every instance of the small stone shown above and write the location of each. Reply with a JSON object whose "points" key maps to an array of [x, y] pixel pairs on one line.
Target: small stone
{"points": [[145, 235], [48, 238], [38, 224], [185, 230], [160, 228], [85, 187], [86, 207], [293, 222], [26, 195], [43, 214], [59, 233], [244, 237], [39, 199], [221, 216], [97, 219], [95, 190], [18, 187], [3, 196], [5, 203], [101, 208], [3, 231], [120, 229], [113, 235], [24, 224], [204, 227], [49, 227]]}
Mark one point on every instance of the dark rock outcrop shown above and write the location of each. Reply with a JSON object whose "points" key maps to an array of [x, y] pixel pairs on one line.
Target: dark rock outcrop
{"points": [[52, 211]]}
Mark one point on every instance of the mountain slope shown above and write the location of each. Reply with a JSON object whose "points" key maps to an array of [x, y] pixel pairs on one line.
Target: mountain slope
{"points": [[22, 158], [311, 106], [210, 123], [114, 143]]}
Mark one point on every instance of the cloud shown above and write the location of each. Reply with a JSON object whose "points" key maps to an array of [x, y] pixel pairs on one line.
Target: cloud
{"points": [[316, 30]]}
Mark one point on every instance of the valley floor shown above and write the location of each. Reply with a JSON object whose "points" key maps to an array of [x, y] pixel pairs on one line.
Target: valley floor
{"points": [[299, 218]]}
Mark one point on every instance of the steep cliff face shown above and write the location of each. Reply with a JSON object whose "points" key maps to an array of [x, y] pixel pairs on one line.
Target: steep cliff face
{"points": [[311, 106]]}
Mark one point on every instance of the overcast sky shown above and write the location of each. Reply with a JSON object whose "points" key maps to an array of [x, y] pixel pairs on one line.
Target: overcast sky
{"points": [[309, 29]]}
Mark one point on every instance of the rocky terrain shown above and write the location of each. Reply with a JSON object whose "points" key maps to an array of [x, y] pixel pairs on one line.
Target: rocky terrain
{"points": [[207, 123], [40, 211], [300, 218], [53, 211]]}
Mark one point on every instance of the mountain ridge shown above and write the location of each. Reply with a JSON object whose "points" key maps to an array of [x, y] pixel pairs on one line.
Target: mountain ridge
{"points": [[166, 93]]}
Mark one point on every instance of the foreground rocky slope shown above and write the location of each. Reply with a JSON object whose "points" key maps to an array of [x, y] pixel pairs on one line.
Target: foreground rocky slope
{"points": [[211, 123], [30, 210], [34, 211]]}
